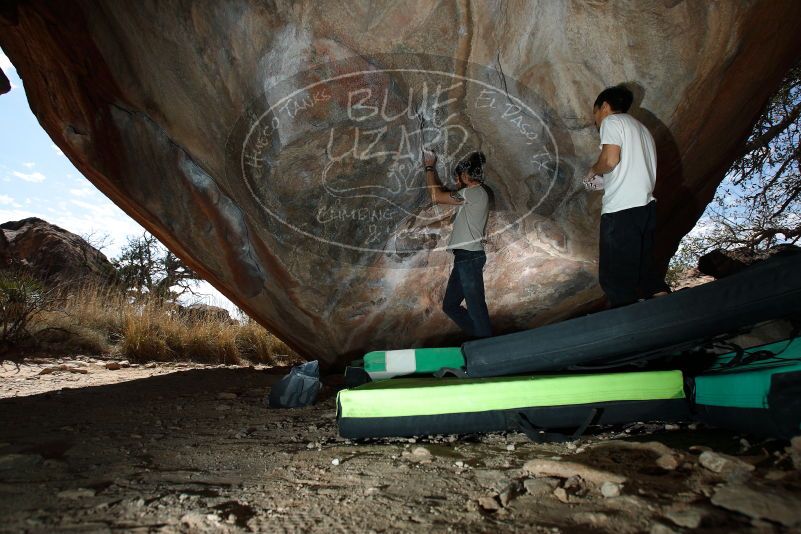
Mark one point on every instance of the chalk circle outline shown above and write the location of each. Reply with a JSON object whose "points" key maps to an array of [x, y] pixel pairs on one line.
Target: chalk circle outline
{"points": [[374, 72]]}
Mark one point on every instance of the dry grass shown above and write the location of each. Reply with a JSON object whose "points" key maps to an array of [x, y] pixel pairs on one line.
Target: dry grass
{"points": [[97, 320]]}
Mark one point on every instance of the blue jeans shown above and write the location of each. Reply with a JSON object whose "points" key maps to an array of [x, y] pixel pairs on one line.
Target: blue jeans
{"points": [[466, 283]]}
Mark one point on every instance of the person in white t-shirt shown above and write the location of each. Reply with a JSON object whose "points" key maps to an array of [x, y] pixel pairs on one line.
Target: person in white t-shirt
{"points": [[626, 170]]}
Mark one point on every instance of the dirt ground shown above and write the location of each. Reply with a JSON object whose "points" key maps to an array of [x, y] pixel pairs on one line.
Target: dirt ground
{"points": [[192, 448]]}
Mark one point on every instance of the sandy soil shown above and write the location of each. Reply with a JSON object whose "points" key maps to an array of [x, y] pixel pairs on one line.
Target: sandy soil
{"points": [[191, 448]]}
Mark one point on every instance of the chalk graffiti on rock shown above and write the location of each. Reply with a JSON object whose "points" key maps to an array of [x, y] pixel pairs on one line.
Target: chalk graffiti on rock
{"points": [[335, 153]]}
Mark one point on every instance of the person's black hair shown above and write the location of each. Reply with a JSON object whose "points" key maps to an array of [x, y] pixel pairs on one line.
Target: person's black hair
{"points": [[473, 165], [618, 97]]}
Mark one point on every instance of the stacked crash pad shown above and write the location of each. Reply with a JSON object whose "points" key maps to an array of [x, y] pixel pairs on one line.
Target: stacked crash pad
{"points": [[650, 329], [419, 406], [757, 391], [381, 365], [582, 351]]}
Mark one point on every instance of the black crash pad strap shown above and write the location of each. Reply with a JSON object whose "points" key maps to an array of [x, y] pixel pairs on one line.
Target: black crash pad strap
{"points": [[539, 434]]}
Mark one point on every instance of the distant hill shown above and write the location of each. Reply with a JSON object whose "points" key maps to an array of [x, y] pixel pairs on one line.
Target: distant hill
{"points": [[52, 254]]}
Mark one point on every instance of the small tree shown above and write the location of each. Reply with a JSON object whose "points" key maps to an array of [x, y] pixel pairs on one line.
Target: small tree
{"points": [[98, 240], [758, 204], [22, 297], [145, 267]]}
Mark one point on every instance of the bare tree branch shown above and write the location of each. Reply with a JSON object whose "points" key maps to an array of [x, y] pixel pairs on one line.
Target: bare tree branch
{"points": [[763, 140]]}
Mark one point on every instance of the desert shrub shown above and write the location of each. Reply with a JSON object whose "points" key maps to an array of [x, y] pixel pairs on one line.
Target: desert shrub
{"points": [[58, 333], [152, 330], [212, 341], [258, 345], [22, 299], [142, 341], [101, 309], [95, 319]]}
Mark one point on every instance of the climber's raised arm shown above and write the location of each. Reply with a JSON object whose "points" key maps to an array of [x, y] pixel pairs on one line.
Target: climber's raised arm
{"points": [[434, 186]]}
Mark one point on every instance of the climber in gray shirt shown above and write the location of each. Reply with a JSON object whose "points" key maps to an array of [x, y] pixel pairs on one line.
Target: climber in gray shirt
{"points": [[466, 282]]}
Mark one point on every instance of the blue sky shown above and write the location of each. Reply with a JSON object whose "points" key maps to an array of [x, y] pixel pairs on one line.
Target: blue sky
{"points": [[37, 180]]}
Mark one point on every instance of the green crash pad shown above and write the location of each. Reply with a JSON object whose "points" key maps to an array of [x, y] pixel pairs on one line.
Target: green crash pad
{"points": [[383, 364], [747, 386], [761, 394], [416, 406]]}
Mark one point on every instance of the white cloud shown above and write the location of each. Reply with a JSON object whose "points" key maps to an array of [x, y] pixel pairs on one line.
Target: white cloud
{"points": [[101, 217], [34, 177], [58, 150], [5, 63], [16, 214], [96, 209], [6, 200], [82, 192], [105, 218], [29, 164], [6, 67]]}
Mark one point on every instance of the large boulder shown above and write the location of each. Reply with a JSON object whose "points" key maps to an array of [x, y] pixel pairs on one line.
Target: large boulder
{"points": [[52, 254], [275, 146], [200, 312], [720, 263]]}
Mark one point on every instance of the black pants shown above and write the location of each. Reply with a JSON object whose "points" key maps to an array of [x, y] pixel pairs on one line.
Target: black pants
{"points": [[466, 283], [625, 264]]}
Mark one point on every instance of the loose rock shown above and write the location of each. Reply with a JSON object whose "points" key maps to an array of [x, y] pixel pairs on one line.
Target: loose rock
{"points": [[669, 459], [493, 479], [687, 517], [421, 452], [489, 504], [78, 493], [761, 503], [668, 462], [193, 520], [795, 451], [542, 467], [561, 494], [610, 489], [659, 528], [507, 495], [64, 368], [726, 465], [537, 486], [595, 519]]}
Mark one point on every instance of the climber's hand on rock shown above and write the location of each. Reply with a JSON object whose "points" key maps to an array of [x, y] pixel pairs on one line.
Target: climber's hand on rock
{"points": [[596, 184]]}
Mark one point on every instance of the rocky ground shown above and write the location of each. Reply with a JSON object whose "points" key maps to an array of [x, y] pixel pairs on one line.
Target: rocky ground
{"points": [[191, 448]]}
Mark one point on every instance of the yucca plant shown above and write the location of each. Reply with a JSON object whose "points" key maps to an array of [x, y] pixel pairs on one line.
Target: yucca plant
{"points": [[22, 298]]}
